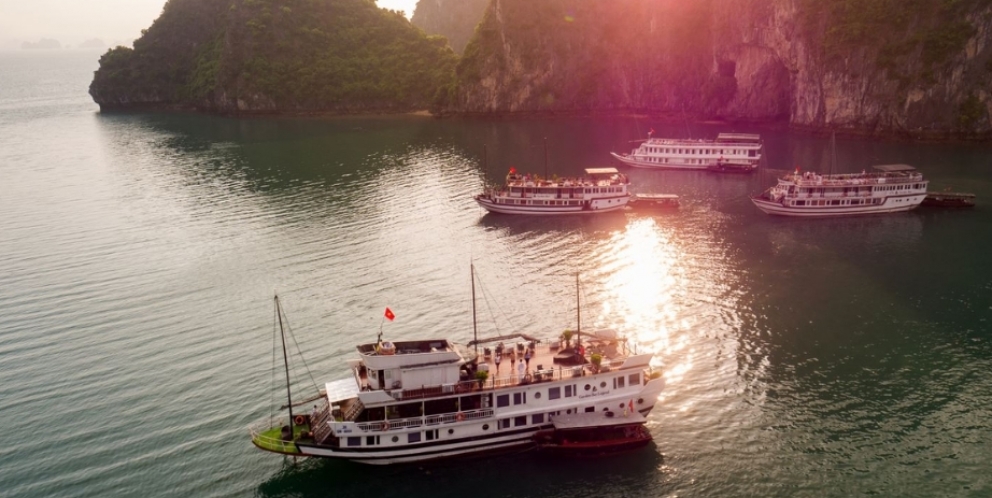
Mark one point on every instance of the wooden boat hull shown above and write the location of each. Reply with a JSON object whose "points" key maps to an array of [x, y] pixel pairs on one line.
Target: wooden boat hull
{"points": [[591, 449], [595, 206], [891, 205]]}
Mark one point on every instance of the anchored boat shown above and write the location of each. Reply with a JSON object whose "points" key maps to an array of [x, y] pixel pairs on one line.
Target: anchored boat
{"points": [[889, 188], [729, 153], [417, 400], [594, 434], [600, 190]]}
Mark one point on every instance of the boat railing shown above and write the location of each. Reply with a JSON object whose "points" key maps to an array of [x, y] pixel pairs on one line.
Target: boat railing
{"points": [[259, 437], [444, 418], [508, 380], [854, 179]]}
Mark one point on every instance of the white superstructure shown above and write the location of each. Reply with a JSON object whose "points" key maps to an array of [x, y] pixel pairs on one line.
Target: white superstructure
{"points": [[890, 188], [737, 152], [601, 190]]}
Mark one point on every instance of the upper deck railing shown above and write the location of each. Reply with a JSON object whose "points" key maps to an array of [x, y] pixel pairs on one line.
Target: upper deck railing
{"points": [[852, 179]]}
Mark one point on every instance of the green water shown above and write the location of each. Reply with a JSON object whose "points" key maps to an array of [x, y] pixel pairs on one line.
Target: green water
{"points": [[139, 254]]}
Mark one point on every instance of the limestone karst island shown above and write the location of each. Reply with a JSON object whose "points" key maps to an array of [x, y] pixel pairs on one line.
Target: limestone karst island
{"points": [[910, 68]]}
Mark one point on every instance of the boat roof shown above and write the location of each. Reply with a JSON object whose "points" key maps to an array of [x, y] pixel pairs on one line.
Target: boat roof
{"points": [[656, 196], [596, 419], [601, 171], [893, 168], [743, 137], [341, 389]]}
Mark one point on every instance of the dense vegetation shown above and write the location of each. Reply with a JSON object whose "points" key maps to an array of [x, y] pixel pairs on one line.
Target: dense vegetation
{"points": [[453, 19], [276, 55]]}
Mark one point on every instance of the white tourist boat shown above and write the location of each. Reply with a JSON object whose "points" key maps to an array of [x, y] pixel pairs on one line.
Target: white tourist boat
{"points": [[600, 190], [889, 188], [729, 153], [417, 400]]}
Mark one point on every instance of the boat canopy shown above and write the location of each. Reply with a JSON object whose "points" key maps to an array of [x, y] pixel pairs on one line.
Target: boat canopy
{"points": [[738, 137], [595, 419], [893, 168], [340, 390], [602, 171]]}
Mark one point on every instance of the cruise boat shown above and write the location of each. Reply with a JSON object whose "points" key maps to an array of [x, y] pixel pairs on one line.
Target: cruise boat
{"points": [[730, 152], [427, 399], [594, 434], [600, 190], [889, 188]]}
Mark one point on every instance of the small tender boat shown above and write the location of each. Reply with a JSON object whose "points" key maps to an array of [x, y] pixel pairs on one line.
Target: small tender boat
{"points": [[729, 153], [601, 190], [888, 189], [653, 202], [594, 433], [948, 199]]}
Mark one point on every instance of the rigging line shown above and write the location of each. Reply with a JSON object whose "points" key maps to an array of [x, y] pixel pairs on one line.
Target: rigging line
{"points": [[299, 353], [272, 390], [505, 316], [485, 299]]}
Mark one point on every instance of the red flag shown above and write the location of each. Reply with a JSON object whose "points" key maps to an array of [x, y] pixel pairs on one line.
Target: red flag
{"points": [[631, 406], [389, 314], [513, 170]]}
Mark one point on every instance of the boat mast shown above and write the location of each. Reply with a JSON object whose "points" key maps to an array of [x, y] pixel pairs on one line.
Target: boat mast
{"points": [[833, 155], [475, 329], [545, 158], [285, 359], [485, 166], [578, 314]]}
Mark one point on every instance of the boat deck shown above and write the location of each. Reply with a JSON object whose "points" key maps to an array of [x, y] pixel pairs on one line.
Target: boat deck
{"points": [[550, 360]]}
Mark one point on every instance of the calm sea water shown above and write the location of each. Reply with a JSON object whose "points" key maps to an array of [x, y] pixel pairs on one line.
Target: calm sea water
{"points": [[139, 254]]}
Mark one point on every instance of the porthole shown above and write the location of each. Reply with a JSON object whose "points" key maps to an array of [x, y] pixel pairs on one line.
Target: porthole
{"points": [[537, 395], [640, 401], [605, 409], [602, 384], [451, 431], [485, 427], [568, 412], [621, 406], [396, 438], [588, 387]]}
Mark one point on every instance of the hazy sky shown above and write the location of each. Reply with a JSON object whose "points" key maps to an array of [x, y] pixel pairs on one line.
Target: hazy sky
{"points": [[73, 21]]}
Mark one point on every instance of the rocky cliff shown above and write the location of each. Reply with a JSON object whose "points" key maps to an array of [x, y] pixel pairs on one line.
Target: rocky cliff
{"points": [[452, 19], [259, 56], [912, 67]]}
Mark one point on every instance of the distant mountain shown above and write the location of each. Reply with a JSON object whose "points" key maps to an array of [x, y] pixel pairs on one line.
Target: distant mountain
{"points": [[93, 43], [454, 19], [259, 56], [43, 44]]}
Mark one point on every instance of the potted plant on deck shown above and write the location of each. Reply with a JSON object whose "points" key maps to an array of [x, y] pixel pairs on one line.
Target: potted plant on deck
{"points": [[481, 376], [597, 360]]}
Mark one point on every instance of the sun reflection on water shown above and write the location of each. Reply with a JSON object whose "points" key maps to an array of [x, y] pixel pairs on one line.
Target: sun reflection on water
{"points": [[643, 292]]}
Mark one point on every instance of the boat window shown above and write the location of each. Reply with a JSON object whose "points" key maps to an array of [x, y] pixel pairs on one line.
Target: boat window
{"points": [[430, 435], [519, 398], [537, 418], [590, 409], [570, 391], [588, 387], [355, 441], [396, 438], [371, 440], [555, 392], [834, 203], [485, 427], [503, 400], [800, 203], [602, 385], [413, 437], [618, 382], [634, 379], [519, 421], [504, 424]]}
